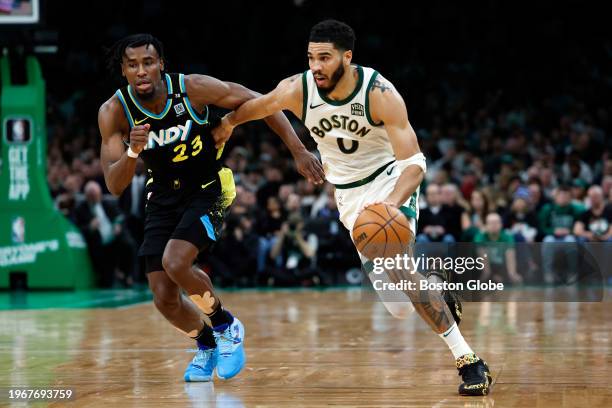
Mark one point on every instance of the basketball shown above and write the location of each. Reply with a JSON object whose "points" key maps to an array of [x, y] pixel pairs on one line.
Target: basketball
{"points": [[381, 230]]}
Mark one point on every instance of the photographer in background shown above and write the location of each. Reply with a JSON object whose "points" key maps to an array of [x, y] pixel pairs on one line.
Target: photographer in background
{"points": [[268, 226], [232, 258], [293, 254], [111, 247]]}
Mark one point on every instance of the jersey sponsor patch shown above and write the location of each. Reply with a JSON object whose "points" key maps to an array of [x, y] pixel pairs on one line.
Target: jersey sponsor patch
{"points": [[357, 109], [179, 109]]}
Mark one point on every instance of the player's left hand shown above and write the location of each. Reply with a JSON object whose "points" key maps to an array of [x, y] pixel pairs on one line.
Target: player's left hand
{"points": [[309, 167], [222, 132]]}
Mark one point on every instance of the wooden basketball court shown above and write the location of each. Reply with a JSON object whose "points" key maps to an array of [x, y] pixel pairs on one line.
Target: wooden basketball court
{"points": [[313, 349]]}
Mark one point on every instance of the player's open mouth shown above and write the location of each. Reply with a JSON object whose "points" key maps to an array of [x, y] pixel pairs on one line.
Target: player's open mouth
{"points": [[319, 80], [143, 86]]}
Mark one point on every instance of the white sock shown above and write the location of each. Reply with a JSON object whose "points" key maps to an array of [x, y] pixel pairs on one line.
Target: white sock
{"points": [[455, 341]]}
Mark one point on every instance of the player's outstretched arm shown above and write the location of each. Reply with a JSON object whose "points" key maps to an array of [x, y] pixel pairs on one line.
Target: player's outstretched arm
{"points": [[118, 167], [205, 90], [287, 95], [388, 107]]}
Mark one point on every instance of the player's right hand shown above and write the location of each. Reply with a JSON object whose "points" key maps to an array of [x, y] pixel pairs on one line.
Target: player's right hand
{"points": [[222, 133], [139, 137], [309, 166]]}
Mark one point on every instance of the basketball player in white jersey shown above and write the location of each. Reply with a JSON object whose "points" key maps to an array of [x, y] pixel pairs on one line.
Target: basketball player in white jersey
{"points": [[369, 152]]}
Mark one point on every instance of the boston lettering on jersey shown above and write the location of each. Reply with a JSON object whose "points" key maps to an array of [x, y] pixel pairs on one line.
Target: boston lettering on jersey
{"points": [[339, 122], [180, 143], [345, 123]]}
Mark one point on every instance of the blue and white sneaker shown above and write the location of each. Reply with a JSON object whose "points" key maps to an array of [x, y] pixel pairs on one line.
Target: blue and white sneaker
{"points": [[202, 366], [230, 349]]}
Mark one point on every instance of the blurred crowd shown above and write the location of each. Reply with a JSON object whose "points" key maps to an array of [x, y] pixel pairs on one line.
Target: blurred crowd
{"points": [[495, 174], [515, 125]]}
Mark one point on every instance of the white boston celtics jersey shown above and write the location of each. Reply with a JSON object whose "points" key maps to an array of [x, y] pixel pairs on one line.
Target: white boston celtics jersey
{"points": [[352, 146]]}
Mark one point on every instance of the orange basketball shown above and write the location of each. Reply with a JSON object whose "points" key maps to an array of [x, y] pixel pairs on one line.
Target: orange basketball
{"points": [[381, 231]]}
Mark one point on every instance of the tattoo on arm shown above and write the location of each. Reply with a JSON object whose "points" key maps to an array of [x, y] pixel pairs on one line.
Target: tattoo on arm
{"points": [[383, 86], [293, 78]]}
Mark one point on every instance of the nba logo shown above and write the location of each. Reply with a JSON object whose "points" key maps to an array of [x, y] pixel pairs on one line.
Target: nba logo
{"points": [[180, 109], [18, 230]]}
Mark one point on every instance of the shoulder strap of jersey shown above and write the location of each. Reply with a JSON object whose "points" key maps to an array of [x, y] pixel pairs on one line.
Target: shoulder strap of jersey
{"points": [[199, 119], [367, 98], [126, 108], [304, 94], [127, 103], [178, 93]]}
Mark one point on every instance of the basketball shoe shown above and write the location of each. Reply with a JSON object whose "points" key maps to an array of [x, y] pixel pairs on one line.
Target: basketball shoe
{"points": [[202, 366], [475, 374], [230, 349]]}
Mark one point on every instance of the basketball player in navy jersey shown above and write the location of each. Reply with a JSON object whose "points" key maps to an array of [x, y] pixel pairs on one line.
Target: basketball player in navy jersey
{"points": [[163, 119], [370, 153]]}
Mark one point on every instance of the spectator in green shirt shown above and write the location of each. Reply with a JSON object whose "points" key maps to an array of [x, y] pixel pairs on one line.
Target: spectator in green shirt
{"points": [[557, 218], [496, 246], [556, 223]]}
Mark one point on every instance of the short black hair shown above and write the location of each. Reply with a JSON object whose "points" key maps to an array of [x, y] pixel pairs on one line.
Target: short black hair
{"points": [[334, 31], [116, 53]]}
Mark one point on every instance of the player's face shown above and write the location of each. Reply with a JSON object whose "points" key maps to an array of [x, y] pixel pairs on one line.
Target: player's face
{"points": [[142, 68], [327, 64]]}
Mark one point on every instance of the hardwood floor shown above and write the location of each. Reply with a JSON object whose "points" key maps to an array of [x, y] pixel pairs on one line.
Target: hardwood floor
{"points": [[312, 349]]}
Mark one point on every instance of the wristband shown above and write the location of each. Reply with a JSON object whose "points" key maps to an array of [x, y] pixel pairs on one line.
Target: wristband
{"points": [[131, 153], [417, 159]]}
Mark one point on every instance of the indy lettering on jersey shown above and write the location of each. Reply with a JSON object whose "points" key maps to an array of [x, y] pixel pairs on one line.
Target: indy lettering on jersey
{"points": [[168, 136], [339, 122]]}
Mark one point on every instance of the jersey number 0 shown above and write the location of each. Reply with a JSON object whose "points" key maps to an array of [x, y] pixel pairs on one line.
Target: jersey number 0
{"points": [[352, 149]]}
